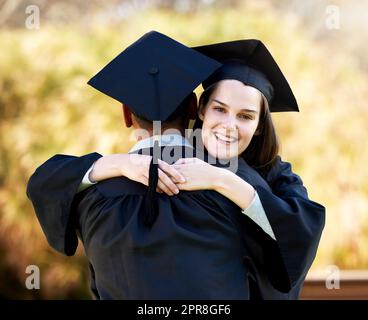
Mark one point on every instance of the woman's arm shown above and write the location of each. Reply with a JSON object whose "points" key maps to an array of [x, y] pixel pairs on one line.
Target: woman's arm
{"points": [[234, 188], [200, 175]]}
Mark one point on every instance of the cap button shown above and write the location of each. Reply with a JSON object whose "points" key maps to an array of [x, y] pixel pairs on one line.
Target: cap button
{"points": [[153, 70]]}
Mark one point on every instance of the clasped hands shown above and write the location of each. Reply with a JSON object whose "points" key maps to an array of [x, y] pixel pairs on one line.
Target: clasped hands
{"points": [[185, 174]]}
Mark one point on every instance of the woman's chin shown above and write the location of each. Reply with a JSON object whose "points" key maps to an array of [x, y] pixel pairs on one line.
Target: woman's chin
{"points": [[223, 153]]}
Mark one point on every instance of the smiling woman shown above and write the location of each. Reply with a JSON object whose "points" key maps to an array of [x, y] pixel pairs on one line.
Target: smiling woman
{"points": [[230, 111]]}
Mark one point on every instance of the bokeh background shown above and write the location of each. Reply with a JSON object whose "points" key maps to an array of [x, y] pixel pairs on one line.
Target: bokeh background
{"points": [[47, 108]]}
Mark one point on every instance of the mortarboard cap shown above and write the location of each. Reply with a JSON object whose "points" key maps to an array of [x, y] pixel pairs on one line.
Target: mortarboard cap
{"points": [[154, 75], [250, 62]]}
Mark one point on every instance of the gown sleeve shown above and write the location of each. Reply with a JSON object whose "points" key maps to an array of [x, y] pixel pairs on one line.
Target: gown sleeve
{"points": [[51, 189], [297, 223]]}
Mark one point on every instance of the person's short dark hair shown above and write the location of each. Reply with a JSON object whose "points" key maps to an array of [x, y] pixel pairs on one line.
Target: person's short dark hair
{"points": [[174, 118]]}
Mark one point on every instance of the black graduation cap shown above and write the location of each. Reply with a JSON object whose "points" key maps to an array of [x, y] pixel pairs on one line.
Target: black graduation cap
{"points": [[152, 77], [250, 62]]}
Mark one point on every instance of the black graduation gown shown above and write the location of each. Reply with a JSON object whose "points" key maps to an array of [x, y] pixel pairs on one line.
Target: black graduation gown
{"points": [[277, 269], [269, 266], [192, 251]]}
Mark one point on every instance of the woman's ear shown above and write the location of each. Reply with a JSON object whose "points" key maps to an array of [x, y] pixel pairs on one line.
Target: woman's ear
{"points": [[127, 116], [201, 112]]}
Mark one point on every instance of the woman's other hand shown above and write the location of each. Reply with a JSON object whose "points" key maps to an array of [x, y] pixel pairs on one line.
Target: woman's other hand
{"points": [[136, 167], [199, 175]]}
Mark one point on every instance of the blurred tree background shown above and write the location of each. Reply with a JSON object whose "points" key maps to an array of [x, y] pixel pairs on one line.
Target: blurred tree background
{"points": [[47, 108]]}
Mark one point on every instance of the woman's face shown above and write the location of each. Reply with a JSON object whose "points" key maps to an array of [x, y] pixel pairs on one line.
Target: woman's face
{"points": [[230, 119]]}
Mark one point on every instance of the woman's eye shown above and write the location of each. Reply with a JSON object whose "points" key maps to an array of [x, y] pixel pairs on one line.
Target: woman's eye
{"points": [[245, 116], [219, 109]]}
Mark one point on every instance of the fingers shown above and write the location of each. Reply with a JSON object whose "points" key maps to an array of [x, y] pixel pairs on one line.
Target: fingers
{"points": [[163, 189], [171, 172], [166, 184], [170, 177]]}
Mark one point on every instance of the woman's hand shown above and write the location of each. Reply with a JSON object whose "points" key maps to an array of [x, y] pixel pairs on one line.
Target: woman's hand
{"points": [[136, 167], [199, 175]]}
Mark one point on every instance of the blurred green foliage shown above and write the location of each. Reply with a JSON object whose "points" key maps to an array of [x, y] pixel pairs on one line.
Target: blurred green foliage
{"points": [[47, 108]]}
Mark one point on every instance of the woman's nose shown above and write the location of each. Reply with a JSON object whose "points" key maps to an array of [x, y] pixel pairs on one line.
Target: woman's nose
{"points": [[230, 123]]}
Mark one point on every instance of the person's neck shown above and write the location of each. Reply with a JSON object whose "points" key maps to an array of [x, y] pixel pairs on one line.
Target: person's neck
{"points": [[149, 132], [166, 139]]}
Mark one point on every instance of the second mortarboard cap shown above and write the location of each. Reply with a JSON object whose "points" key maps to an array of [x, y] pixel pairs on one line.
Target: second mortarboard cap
{"points": [[154, 75], [250, 62]]}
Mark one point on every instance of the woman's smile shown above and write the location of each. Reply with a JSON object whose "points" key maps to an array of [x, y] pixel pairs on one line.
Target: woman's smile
{"points": [[226, 139]]}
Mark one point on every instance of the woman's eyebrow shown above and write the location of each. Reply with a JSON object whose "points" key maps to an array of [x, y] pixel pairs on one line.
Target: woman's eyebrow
{"points": [[225, 105], [219, 102], [249, 110]]}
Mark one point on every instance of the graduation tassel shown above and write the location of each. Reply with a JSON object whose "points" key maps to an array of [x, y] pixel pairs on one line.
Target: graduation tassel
{"points": [[151, 196]]}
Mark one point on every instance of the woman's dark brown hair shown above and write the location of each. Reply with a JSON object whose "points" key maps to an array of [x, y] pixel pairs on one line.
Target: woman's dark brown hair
{"points": [[263, 149]]}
